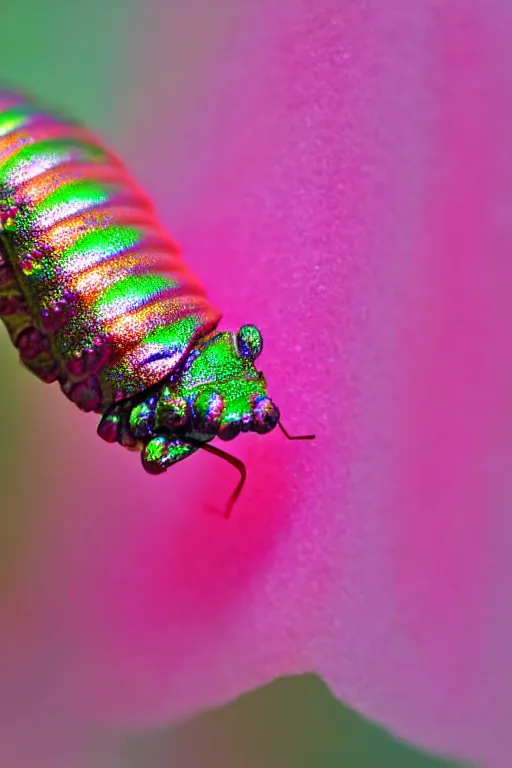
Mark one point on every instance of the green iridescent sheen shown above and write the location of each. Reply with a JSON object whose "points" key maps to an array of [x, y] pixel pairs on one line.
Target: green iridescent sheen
{"points": [[171, 411], [250, 343], [219, 369], [47, 154], [132, 292], [100, 244], [178, 450], [217, 393], [139, 415], [15, 118], [170, 335], [161, 449], [75, 195], [156, 449]]}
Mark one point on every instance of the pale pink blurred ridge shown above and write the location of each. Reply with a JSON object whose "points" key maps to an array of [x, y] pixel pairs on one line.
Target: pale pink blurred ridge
{"points": [[349, 191]]}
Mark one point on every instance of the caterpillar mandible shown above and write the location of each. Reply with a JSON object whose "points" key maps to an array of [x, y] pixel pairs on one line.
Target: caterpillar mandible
{"points": [[95, 296]]}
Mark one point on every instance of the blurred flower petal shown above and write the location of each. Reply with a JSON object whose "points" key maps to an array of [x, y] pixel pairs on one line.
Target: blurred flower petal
{"points": [[347, 182]]}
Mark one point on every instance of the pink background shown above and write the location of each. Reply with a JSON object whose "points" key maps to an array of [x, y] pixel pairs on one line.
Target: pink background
{"points": [[339, 173]]}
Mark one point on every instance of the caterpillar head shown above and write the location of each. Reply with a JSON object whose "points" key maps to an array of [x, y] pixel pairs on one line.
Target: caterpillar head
{"points": [[223, 391], [217, 393]]}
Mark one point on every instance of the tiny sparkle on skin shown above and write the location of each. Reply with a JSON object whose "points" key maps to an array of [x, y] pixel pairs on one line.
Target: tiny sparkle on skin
{"points": [[95, 295]]}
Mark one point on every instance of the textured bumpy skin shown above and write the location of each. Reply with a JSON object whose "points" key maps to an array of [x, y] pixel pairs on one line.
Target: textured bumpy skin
{"points": [[95, 295], [105, 303]]}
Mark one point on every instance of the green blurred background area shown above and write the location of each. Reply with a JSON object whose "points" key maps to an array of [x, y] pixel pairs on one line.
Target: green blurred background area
{"points": [[294, 722]]}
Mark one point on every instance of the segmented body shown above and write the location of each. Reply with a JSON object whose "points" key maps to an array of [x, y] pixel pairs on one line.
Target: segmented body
{"points": [[93, 291], [95, 295]]}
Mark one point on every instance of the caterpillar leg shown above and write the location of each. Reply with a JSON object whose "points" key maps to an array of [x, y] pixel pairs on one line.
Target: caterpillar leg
{"points": [[163, 451], [33, 346], [132, 426]]}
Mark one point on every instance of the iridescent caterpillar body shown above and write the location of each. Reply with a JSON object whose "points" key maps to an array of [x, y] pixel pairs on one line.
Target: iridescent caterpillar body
{"points": [[95, 296]]}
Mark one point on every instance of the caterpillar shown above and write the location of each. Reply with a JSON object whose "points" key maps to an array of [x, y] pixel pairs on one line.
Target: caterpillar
{"points": [[95, 295]]}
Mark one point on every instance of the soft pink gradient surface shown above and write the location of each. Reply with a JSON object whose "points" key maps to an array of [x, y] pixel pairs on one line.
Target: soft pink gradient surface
{"points": [[345, 183]]}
